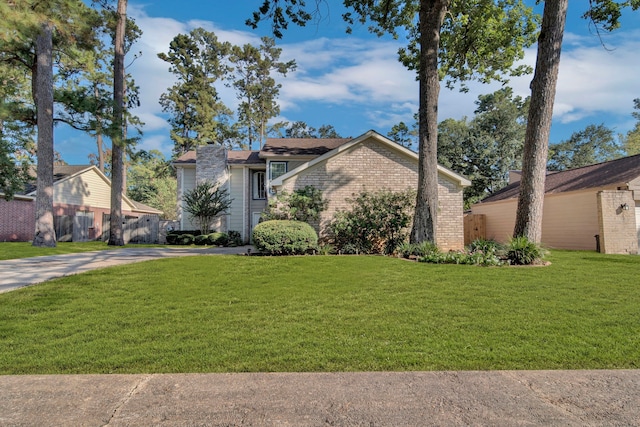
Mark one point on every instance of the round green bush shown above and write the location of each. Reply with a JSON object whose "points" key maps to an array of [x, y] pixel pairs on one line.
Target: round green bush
{"points": [[172, 238], [282, 237], [217, 239], [201, 239], [185, 239]]}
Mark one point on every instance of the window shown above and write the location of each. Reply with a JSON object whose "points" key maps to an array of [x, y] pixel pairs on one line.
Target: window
{"points": [[277, 169], [259, 188]]}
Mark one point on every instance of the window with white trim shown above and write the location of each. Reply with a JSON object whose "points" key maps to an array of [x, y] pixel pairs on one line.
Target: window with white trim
{"points": [[277, 169], [259, 186]]}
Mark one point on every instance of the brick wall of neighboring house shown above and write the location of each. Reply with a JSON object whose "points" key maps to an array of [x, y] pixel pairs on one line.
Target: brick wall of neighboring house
{"points": [[17, 220], [618, 232], [373, 166]]}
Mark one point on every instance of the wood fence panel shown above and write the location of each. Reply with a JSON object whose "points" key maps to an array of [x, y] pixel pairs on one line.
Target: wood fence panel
{"points": [[63, 224], [474, 227], [145, 229]]}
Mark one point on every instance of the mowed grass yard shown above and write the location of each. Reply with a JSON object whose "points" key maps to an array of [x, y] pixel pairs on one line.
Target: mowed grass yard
{"points": [[14, 250], [326, 313]]}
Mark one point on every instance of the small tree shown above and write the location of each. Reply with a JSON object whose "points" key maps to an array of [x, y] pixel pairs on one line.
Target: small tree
{"points": [[205, 202]]}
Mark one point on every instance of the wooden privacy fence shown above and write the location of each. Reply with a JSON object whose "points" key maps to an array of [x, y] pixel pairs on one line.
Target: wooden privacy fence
{"points": [[144, 229], [474, 227]]}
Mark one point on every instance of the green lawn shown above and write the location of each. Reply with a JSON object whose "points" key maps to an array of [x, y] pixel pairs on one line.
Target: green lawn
{"points": [[14, 250], [326, 313]]}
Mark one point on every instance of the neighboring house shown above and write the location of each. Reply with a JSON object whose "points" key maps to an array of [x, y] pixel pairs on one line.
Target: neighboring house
{"points": [[599, 200], [81, 208], [340, 168]]}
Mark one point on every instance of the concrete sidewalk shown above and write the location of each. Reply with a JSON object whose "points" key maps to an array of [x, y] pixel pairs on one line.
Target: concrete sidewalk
{"points": [[16, 273], [498, 398]]}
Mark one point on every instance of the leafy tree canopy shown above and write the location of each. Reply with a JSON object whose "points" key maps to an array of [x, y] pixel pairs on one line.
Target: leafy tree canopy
{"points": [[594, 144], [632, 138], [151, 180], [256, 89], [197, 60], [301, 129]]}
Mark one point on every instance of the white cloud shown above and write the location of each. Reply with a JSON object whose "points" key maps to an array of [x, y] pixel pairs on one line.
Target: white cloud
{"points": [[338, 74], [595, 80], [156, 142]]}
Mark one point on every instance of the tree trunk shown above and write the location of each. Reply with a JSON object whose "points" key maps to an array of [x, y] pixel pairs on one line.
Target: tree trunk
{"points": [[536, 143], [99, 141], [45, 234], [425, 219], [117, 149]]}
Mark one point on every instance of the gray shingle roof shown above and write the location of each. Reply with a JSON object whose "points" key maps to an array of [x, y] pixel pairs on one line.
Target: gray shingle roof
{"points": [[300, 146], [617, 172]]}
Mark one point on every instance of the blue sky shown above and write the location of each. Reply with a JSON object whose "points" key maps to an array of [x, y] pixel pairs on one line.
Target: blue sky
{"points": [[355, 82]]}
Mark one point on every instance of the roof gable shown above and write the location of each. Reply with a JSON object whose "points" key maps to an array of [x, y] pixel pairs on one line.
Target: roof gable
{"points": [[614, 173], [459, 179], [64, 173]]}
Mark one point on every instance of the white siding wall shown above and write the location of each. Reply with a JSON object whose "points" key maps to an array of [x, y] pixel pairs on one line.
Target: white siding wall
{"points": [[188, 183], [86, 189], [638, 220], [236, 191]]}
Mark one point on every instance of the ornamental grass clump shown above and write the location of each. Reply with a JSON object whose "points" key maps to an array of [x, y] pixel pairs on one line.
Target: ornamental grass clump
{"points": [[284, 237], [522, 251]]}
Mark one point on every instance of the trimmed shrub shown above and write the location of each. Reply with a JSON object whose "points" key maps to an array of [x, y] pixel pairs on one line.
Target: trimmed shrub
{"points": [[377, 222], [282, 237], [185, 239], [234, 238], [521, 251], [217, 239], [173, 236], [201, 240]]}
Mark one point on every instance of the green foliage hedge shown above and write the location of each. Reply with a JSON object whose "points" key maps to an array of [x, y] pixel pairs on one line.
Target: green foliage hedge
{"points": [[377, 222], [519, 251], [217, 239], [284, 237], [304, 204], [184, 239]]}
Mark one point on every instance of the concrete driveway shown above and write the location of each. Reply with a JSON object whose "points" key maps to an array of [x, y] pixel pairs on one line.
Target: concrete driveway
{"points": [[17, 273]]}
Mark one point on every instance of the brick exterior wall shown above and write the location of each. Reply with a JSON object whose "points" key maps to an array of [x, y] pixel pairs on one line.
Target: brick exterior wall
{"points": [[18, 217], [618, 232], [372, 165], [17, 220]]}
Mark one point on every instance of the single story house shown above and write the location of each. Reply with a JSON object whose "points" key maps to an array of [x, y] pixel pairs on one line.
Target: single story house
{"points": [[338, 167], [600, 200], [81, 209]]}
